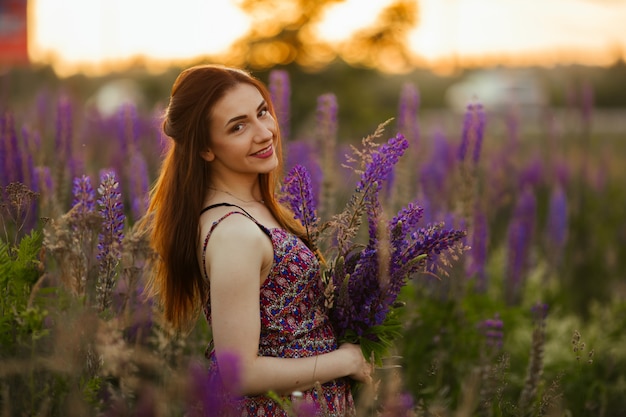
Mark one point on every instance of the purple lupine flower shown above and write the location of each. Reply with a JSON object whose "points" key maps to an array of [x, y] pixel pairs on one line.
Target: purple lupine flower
{"points": [[480, 133], [430, 241], [139, 184], [365, 301], [356, 313], [367, 281], [532, 174], [5, 173], [399, 404], [493, 331], [280, 91], [304, 407], [557, 219], [407, 113], [64, 129], [377, 171], [16, 151], [27, 156], [326, 141], [519, 238], [13, 170], [561, 171], [202, 395], [211, 392], [110, 239], [473, 132], [403, 223], [127, 127], [129, 298], [428, 211], [299, 152], [84, 194], [229, 365], [434, 173], [297, 193], [326, 111], [475, 266]]}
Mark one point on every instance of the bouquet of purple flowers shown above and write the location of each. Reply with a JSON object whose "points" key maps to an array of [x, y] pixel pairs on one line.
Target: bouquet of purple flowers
{"points": [[363, 279]]}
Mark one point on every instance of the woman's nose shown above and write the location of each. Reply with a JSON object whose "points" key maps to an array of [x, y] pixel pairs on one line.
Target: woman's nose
{"points": [[266, 129]]}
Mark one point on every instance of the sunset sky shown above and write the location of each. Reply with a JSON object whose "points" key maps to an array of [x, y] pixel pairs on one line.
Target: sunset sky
{"points": [[85, 34]]}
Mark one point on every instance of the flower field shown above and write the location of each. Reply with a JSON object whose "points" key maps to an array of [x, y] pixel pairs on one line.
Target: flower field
{"points": [[525, 316]]}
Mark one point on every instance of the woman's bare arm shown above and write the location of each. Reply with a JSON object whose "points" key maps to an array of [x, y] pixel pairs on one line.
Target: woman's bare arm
{"points": [[238, 250]]}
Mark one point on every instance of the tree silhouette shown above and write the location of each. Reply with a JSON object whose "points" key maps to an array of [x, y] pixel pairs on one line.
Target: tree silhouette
{"points": [[284, 32]]}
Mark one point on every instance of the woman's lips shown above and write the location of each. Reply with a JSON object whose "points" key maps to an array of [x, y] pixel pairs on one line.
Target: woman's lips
{"points": [[265, 152]]}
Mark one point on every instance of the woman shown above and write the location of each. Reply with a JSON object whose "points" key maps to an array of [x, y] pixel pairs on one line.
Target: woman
{"points": [[227, 246]]}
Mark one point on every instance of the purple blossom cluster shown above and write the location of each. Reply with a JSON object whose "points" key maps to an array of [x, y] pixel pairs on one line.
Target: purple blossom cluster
{"points": [[16, 154], [110, 239], [302, 153], [327, 109], [473, 132], [139, 184], [434, 172], [493, 331], [475, 267], [519, 238], [539, 313], [366, 281], [407, 113], [10, 152], [280, 90], [64, 137], [84, 195], [378, 171], [297, 194]]}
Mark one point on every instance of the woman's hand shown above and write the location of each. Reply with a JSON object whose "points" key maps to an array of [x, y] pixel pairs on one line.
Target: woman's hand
{"points": [[362, 368]]}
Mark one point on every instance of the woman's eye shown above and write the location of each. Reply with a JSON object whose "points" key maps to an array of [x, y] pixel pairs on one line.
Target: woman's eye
{"points": [[237, 127], [263, 112]]}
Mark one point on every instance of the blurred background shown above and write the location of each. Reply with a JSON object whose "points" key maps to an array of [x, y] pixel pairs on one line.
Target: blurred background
{"points": [[536, 90], [456, 51]]}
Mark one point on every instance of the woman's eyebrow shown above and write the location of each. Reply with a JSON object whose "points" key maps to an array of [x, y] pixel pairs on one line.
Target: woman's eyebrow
{"points": [[243, 116]]}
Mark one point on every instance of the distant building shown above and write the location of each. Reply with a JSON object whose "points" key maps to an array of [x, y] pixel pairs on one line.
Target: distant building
{"points": [[13, 33], [499, 90]]}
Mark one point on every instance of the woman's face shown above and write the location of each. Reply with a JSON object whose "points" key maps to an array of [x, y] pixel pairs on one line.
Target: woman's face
{"points": [[243, 133]]}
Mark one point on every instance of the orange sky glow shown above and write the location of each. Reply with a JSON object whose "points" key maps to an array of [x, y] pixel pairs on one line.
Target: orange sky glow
{"points": [[93, 36]]}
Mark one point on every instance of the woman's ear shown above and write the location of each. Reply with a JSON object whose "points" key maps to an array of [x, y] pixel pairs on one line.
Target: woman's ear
{"points": [[207, 155]]}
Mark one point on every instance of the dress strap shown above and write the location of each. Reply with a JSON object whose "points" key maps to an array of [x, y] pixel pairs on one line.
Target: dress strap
{"points": [[223, 205]]}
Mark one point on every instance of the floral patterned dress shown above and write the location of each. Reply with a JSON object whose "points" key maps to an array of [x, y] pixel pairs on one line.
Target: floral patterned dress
{"points": [[294, 322]]}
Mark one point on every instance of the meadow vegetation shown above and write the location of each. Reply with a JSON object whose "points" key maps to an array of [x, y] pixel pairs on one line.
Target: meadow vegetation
{"points": [[528, 321]]}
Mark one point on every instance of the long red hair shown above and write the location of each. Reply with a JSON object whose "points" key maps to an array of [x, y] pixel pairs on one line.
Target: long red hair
{"points": [[178, 194]]}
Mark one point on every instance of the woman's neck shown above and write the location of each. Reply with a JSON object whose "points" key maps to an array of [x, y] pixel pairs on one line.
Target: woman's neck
{"points": [[242, 189]]}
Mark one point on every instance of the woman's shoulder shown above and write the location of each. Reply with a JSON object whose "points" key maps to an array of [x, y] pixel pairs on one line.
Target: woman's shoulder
{"points": [[228, 222], [231, 238]]}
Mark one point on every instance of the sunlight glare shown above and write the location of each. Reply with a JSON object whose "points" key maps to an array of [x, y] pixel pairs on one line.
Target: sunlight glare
{"points": [[474, 28], [118, 29], [99, 33], [343, 19]]}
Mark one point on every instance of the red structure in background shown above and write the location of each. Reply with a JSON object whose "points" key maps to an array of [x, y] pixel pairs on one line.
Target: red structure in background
{"points": [[13, 33]]}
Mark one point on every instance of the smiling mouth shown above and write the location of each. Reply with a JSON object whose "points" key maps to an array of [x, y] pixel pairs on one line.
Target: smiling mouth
{"points": [[263, 151]]}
